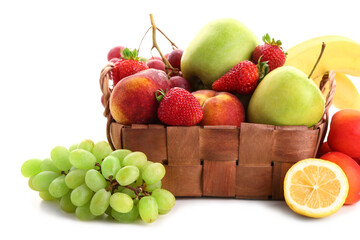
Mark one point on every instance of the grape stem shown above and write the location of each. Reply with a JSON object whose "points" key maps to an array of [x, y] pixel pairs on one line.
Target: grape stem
{"points": [[155, 45], [138, 191]]}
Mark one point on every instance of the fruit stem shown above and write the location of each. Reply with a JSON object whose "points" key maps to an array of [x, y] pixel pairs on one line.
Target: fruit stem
{"points": [[143, 38], [318, 60], [155, 45], [172, 43]]}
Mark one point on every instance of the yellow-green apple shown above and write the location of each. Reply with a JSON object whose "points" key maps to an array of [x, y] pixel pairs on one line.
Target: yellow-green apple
{"points": [[218, 47], [220, 108], [286, 96], [133, 99]]}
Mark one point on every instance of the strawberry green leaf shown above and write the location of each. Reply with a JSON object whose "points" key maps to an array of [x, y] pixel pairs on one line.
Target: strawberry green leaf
{"points": [[159, 95], [263, 68]]}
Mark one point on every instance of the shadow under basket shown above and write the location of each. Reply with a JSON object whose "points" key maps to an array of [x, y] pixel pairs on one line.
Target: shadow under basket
{"points": [[249, 162]]}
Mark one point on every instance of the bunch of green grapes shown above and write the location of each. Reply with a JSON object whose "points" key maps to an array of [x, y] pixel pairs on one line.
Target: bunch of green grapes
{"points": [[90, 179]]}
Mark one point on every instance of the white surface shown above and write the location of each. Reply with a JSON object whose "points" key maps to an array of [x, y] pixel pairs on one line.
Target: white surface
{"points": [[51, 54]]}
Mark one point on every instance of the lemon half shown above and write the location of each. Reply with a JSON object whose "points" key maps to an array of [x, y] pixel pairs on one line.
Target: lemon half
{"points": [[315, 188]]}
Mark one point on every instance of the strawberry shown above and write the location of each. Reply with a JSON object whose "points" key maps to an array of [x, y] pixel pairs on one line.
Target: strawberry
{"points": [[243, 78], [270, 52], [129, 64], [178, 107]]}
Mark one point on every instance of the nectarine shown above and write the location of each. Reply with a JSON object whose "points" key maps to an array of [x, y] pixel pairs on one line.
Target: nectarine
{"points": [[344, 134], [133, 99], [220, 108], [352, 172]]}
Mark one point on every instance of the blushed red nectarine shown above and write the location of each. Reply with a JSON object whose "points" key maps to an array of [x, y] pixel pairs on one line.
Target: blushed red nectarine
{"points": [[220, 108]]}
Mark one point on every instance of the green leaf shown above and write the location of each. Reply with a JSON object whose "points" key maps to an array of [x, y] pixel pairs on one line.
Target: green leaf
{"points": [[159, 95]]}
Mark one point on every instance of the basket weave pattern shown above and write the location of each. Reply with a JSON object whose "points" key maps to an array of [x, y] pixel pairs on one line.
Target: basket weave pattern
{"points": [[221, 161]]}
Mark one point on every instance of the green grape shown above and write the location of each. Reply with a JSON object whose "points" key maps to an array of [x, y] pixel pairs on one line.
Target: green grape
{"points": [[120, 154], [101, 150], [129, 192], [75, 178], [153, 173], [126, 217], [164, 199], [127, 175], [48, 165], [31, 167], [82, 159], [60, 157], [137, 159], [148, 209], [152, 187], [83, 213], [45, 195], [100, 202], [66, 204], [121, 202], [81, 195], [86, 144], [110, 166], [95, 180], [58, 188], [108, 211], [138, 182], [41, 181], [30, 184], [147, 163], [73, 147]]}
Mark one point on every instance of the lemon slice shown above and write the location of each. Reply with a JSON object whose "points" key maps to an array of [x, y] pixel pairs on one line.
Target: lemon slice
{"points": [[315, 188]]}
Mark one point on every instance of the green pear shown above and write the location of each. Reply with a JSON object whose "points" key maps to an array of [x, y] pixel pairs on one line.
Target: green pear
{"points": [[218, 47], [286, 96]]}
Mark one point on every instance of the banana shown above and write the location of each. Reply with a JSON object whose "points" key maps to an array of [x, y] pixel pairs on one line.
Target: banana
{"points": [[341, 55]]}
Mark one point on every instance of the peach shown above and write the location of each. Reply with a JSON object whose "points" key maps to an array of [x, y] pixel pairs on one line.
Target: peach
{"points": [[220, 108], [133, 99], [352, 172], [344, 134]]}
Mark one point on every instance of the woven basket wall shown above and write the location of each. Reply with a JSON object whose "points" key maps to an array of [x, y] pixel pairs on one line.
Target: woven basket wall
{"points": [[222, 161]]}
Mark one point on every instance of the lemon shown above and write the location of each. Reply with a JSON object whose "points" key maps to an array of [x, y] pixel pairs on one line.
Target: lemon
{"points": [[315, 188]]}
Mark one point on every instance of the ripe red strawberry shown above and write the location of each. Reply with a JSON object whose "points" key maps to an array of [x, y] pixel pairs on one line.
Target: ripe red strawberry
{"points": [[243, 78], [128, 65], [179, 107], [270, 52]]}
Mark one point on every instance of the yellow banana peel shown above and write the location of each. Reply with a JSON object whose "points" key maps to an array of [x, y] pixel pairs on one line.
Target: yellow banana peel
{"points": [[346, 94], [341, 55]]}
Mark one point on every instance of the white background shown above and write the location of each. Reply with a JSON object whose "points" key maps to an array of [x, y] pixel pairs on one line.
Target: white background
{"points": [[51, 54]]}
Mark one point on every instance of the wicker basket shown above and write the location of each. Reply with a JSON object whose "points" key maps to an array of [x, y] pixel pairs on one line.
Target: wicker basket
{"points": [[221, 161]]}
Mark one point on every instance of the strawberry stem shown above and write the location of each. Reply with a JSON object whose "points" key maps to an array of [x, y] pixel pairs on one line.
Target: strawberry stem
{"points": [[318, 60]]}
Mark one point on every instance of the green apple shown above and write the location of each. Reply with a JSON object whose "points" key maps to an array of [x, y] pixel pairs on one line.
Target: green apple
{"points": [[286, 96], [218, 47]]}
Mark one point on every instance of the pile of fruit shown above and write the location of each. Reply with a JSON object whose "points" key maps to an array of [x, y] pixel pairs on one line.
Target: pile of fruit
{"points": [[233, 78], [224, 77], [91, 180]]}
